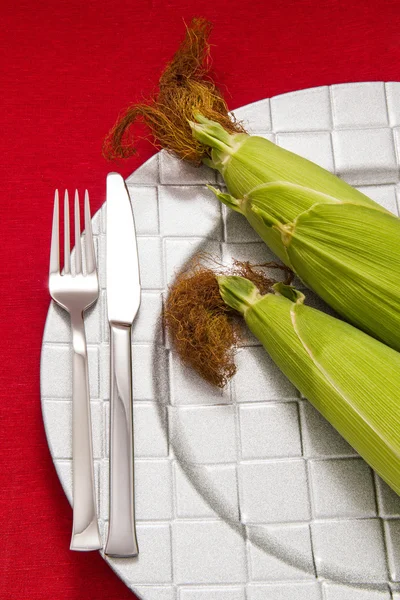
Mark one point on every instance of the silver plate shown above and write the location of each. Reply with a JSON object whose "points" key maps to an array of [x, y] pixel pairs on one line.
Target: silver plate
{"points": [[247, 494]]}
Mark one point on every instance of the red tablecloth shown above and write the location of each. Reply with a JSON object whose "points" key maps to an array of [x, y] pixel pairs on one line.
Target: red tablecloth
{"points": [[67, 69]]}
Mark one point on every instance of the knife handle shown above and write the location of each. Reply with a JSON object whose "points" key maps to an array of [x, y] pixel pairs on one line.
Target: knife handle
{"points": [[121, 539]]}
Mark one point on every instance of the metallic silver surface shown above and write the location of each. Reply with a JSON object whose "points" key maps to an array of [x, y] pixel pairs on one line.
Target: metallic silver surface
{"points": [[75, 292], [123, 282], [123, 299]]}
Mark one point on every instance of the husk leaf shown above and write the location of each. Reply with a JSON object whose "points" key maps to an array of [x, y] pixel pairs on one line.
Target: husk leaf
{"points": [[346, 250], [249, 161], [350, 256], [351, 378]]}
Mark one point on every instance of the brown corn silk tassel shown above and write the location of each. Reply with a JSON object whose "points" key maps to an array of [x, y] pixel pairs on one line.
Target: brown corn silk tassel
{"points": [[185, 87], [204, 331]]}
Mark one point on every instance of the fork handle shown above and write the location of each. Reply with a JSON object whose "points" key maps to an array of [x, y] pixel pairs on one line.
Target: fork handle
{"points": [[85, 530], [122, 530]]}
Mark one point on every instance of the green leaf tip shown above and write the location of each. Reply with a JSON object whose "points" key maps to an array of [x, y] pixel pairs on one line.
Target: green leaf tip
{"points": [[226, 199], [289, 292], [211, 134], [238, 292]]}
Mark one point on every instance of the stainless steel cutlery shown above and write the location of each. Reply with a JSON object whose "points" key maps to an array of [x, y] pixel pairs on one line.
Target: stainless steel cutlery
{"points": [[75, 289], [123, 300]]}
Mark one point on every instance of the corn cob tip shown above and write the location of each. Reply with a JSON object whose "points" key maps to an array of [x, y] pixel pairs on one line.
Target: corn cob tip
{"points": [[185, 89], [213, 135], [238, 292], [203, 329]]}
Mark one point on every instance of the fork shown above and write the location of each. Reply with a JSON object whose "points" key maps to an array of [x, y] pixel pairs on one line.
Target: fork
{"points": [[75, 292]]}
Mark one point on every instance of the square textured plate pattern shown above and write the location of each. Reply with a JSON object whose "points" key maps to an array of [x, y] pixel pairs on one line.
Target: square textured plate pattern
{"points": [[245, 494]]}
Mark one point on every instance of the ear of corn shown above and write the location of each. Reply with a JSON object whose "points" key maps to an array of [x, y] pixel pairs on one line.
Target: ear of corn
{"points": [[357, 274], [348, 254], [350, 377], [342, 244], [247, 161]]}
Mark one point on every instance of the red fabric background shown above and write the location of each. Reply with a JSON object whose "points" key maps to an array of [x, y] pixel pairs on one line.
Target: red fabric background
{"points": [[67, 70]]}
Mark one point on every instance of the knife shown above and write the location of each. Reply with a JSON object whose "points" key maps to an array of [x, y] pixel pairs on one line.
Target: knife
{"points": [[123, 300]]}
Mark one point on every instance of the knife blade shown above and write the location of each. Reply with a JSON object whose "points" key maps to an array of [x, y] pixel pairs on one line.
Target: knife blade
{"points": [[123, 301]]}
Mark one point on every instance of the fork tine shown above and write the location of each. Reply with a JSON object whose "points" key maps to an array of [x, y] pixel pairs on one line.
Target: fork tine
{"points": [[67, 244], [55, 238], [89, 245], [78, 248]]}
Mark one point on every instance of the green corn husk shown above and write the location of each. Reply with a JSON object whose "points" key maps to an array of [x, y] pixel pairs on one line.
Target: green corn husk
{"points": [[352, 379], [341, 244]]}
